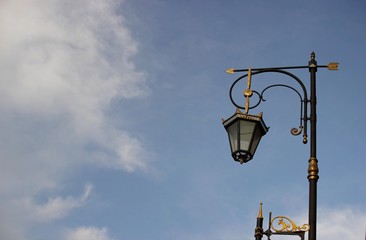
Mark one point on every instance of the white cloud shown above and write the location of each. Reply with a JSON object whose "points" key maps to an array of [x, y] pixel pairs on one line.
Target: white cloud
{"points": [[88, 233], [341, 223], [62, 64], [55, 207], [66, 61]]}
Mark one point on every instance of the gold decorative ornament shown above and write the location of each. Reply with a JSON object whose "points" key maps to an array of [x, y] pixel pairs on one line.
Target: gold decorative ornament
{"points": [[305, 139], [313, 169], [296, 131], [288, 226], [248, 92], [260, 213], [230, 71], [333, 66]]}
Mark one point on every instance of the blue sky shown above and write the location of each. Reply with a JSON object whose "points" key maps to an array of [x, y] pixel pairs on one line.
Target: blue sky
{"points": [[111, 118]]}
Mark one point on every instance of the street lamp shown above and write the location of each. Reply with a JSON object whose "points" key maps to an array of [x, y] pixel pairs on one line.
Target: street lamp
{"points": [[245, 131]]}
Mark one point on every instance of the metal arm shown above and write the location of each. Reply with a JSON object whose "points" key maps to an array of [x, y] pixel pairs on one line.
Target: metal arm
{"points": [[303, 97]]}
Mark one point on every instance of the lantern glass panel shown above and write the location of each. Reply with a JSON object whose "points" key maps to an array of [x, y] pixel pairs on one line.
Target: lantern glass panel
{"points": [[257, 135], [233, 136], [246, 133]]}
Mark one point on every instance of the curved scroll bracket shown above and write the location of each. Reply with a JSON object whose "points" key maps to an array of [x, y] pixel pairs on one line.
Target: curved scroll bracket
{"points": [[303, 98]]}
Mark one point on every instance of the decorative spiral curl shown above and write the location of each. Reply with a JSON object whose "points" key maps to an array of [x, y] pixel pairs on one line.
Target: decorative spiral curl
{"points": [[296, 131], [287, 225]]}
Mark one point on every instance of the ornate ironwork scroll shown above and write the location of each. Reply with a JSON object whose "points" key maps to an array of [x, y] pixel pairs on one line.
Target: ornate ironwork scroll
{"points": [[248, 93], [287, 225]]}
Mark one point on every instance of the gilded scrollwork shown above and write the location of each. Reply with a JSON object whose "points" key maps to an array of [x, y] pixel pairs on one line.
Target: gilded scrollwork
{"points": [[287, 225], [296, 131]]}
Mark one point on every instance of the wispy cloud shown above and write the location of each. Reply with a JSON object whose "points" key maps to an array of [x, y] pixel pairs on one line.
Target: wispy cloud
{"points": [[88, 233], [62, 64], [339, 223], [54, 207]]}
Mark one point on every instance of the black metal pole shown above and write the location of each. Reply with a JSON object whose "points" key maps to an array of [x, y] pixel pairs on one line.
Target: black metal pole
{"points": [[313, 169]]}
